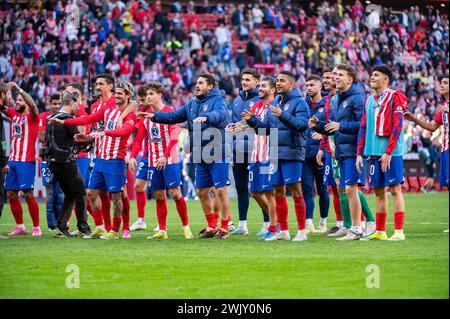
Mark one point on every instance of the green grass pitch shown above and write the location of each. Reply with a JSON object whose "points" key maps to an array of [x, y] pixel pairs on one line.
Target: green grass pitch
{"points": [[240, 267]]}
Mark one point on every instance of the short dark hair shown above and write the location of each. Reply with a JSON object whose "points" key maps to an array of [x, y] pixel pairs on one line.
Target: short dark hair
{"points": [[155, 86], [350, 70], [288, 73], [270, 80], [142, 90], [209, 78], [383, 68], [313, 77], [253, 72], [55, 96], [327, 69], [77, 86], [69, 98], [108, 78]]}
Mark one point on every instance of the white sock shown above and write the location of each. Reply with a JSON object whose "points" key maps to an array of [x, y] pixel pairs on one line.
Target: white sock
{"points": [[140, 220], [243, 224], [186, 227], [266, 225], [302, 231], [309, 222], [363, 224], [399, 231], [340, 224], [323, 221], [101, 227], [21, 226]]}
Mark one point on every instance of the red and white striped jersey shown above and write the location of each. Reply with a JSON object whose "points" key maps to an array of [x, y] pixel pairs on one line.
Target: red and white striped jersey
{"points": [[24, 131], [442, 118], [114, 145], [100, 126], [161, 139], [260, 151]]}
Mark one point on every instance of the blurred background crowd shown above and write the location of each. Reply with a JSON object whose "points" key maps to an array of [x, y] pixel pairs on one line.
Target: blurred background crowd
{"points": [[173, 42]]}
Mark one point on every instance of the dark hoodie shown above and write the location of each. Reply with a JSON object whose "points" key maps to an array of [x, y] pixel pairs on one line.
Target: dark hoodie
{"points": [[211, 105], [243, 142], [317, 110], [346, 109], [291, 125]]}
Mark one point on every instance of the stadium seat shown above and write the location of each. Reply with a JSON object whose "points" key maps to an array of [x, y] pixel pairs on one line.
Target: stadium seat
{"points": [[414, 184]]}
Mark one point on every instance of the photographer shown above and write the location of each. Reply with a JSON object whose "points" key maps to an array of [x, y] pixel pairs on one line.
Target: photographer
{"points": [[61, 150], [4, 88]]}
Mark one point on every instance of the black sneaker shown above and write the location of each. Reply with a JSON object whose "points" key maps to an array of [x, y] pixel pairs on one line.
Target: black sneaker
{"points": [[332, 230], [201, 232], [62, 234], [208, 234]]}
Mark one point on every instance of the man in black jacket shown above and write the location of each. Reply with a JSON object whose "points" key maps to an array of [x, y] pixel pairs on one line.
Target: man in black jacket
{"points": [[62, 163], [4, 88]]}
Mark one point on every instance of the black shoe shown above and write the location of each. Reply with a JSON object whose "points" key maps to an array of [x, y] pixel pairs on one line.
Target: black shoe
{"points": [[207, 234], [332, 230], [201, 232], [62, 234]]}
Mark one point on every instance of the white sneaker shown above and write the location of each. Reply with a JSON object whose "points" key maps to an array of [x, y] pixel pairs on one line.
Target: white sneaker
{"points": [[76, 232], [138, 226], [321, 229], [310, 229], [351, 236], [156, 229], [301, 236], [370, 229], [340, 233], [284, 234]]}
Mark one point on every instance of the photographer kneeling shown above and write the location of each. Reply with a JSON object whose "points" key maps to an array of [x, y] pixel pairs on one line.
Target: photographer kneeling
{"points": [[60, 150]]}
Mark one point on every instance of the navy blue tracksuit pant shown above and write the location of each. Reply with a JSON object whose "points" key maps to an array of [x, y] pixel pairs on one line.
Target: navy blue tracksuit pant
{"points": [[312, 172]]}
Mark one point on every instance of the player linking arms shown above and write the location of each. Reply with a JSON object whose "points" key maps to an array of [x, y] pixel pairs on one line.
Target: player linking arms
{"points": [[381, 138]]}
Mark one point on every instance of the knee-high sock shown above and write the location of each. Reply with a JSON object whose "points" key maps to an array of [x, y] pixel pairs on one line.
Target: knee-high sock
{"points": [[126, 213], [98, 217], [300, 211], [16, 209], [141, 200], [116, 224], [336, 203], [182, 211], [365, 207], [282, 212], [381, 222], [345, 209], [33, 208], [89, 207], [399, 218], [161, 213], [212, 220], [106, 208]]}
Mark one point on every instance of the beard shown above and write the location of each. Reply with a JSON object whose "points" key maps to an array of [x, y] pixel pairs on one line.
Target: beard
{"points": [[20, 109]]}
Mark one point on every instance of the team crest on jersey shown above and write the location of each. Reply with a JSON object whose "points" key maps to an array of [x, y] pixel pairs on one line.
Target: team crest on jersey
{"points": [[251, 104], [205, 107], [110, 125], [17, 130], [155, 131]]}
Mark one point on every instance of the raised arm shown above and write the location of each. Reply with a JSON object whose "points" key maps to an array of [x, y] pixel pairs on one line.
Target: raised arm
{"points": [[126, 128], [178, 116], [34, 112], [433, 126], [90, 119]]}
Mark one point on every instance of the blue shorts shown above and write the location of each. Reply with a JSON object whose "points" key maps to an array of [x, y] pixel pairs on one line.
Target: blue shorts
{"points": [[392, 176], [211, 175], [443, 176], [288, 172], [142, 171], [168, 178], [83, 165], [108, 175], [46, 174], [348, 173], [328, 176], [259, 177], [20, 175]]}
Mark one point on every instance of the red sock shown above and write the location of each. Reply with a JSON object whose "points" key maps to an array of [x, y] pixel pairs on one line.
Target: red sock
{"points": [[126, 213], [399, 218], [380, 221], [161, 213], [116, 224], [363, 218], [141, 200], [273, 228], [98, 217], [336, 203], [212, 221], [300, 211], [16, 209], [33, 208], [224, 224], [282, 212], [106, 208], [229, 218], [182, 211]]}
